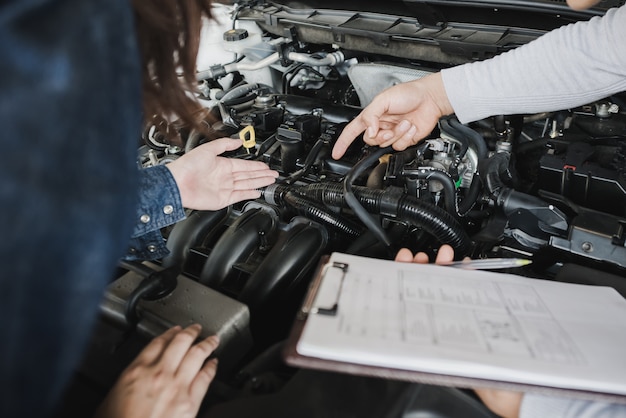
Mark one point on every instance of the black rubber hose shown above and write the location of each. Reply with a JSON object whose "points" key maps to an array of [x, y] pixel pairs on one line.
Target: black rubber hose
{"points": [[436, 222], [453, 169], [135, 267], [457, 130], [130, 310], [472, 195], [444, 125], [354, 204], [431, 218], [474, 137], [156, 285], [495, 165], [449, 191], [308, 162], [313, 210]]}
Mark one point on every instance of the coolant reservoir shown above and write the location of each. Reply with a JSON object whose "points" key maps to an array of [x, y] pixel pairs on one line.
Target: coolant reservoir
{"points": [[238, 40]]}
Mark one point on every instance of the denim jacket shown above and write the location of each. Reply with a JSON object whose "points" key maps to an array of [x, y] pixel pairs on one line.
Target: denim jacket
{"points": [[70, 111], [159, 206]]}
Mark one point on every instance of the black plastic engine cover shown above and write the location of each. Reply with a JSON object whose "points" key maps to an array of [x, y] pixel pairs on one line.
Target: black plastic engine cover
{"points": [[584, 182]]}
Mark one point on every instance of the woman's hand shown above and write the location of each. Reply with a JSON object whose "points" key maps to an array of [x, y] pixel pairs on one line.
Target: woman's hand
{"points": [[400, 116], [169, 378], [207, 181]]}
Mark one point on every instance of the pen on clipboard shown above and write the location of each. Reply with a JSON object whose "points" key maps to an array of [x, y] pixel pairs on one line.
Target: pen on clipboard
{"points": [[490, 263]]}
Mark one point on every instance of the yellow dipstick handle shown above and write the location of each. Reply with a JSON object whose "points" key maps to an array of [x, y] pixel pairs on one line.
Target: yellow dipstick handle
{"points": [[250, 142]]}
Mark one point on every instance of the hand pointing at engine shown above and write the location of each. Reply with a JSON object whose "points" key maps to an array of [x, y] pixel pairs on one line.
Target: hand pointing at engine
{"points": [[400, 116]]}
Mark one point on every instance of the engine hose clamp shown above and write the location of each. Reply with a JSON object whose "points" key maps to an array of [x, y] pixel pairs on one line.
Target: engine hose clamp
{"points": [[390, 201], [269, 193]]}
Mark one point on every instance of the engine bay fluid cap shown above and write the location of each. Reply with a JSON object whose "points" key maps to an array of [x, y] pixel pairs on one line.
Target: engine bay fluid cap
{"points": [[234, 35], [248, 137]]}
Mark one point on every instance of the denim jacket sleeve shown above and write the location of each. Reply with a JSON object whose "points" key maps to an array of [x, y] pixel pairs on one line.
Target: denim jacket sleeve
{"points": [[159, 206]]}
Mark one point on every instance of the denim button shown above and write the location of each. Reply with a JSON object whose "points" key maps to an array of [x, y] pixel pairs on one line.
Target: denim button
{"points": [[168, 209], [145, 218], [152, 248]]}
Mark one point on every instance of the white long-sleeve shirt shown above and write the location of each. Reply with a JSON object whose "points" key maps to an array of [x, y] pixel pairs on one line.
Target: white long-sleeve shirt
{"points": [[567, 67], [571, 66], [536, 406]]}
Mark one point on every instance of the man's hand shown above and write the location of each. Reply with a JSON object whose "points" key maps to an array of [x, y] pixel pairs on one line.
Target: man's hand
{"points": [[169, 378], [502, 402], [444, 256], [400, 116], [209, 182]]}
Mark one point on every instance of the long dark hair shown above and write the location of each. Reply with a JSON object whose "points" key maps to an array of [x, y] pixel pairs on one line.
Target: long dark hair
{"points": [[168, 32]]}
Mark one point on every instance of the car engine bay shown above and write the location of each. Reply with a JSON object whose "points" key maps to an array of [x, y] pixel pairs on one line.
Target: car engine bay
{"points": [[549, 187]]}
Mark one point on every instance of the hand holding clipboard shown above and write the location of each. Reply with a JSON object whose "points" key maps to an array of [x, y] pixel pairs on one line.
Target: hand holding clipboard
{"points": [[461, 328]]}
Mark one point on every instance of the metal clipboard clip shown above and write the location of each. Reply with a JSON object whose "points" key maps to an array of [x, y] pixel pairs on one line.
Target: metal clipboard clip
{"points": [[325, 300]]}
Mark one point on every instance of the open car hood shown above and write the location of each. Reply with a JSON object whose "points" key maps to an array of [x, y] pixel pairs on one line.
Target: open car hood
{"points": [[295, 73]]}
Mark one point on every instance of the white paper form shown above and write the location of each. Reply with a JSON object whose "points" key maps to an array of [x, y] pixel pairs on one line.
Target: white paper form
{"points": [[472, 324]]}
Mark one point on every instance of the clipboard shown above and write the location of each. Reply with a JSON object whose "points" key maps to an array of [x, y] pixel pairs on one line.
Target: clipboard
{"points": [[329, 305]]}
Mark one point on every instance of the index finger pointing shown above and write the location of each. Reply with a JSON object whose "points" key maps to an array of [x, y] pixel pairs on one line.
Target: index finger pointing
{"points": [[347, 136]]}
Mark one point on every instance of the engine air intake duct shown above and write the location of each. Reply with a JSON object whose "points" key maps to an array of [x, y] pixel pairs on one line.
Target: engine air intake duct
{"points": [[434, 220]]}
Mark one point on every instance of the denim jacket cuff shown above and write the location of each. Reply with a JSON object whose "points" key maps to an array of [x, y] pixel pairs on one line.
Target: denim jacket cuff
{"points": [[159, 201], [149, 246], [159, 206]]}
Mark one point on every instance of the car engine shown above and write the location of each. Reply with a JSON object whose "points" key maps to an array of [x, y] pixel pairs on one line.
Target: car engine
{"points": [[549, 187]]}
